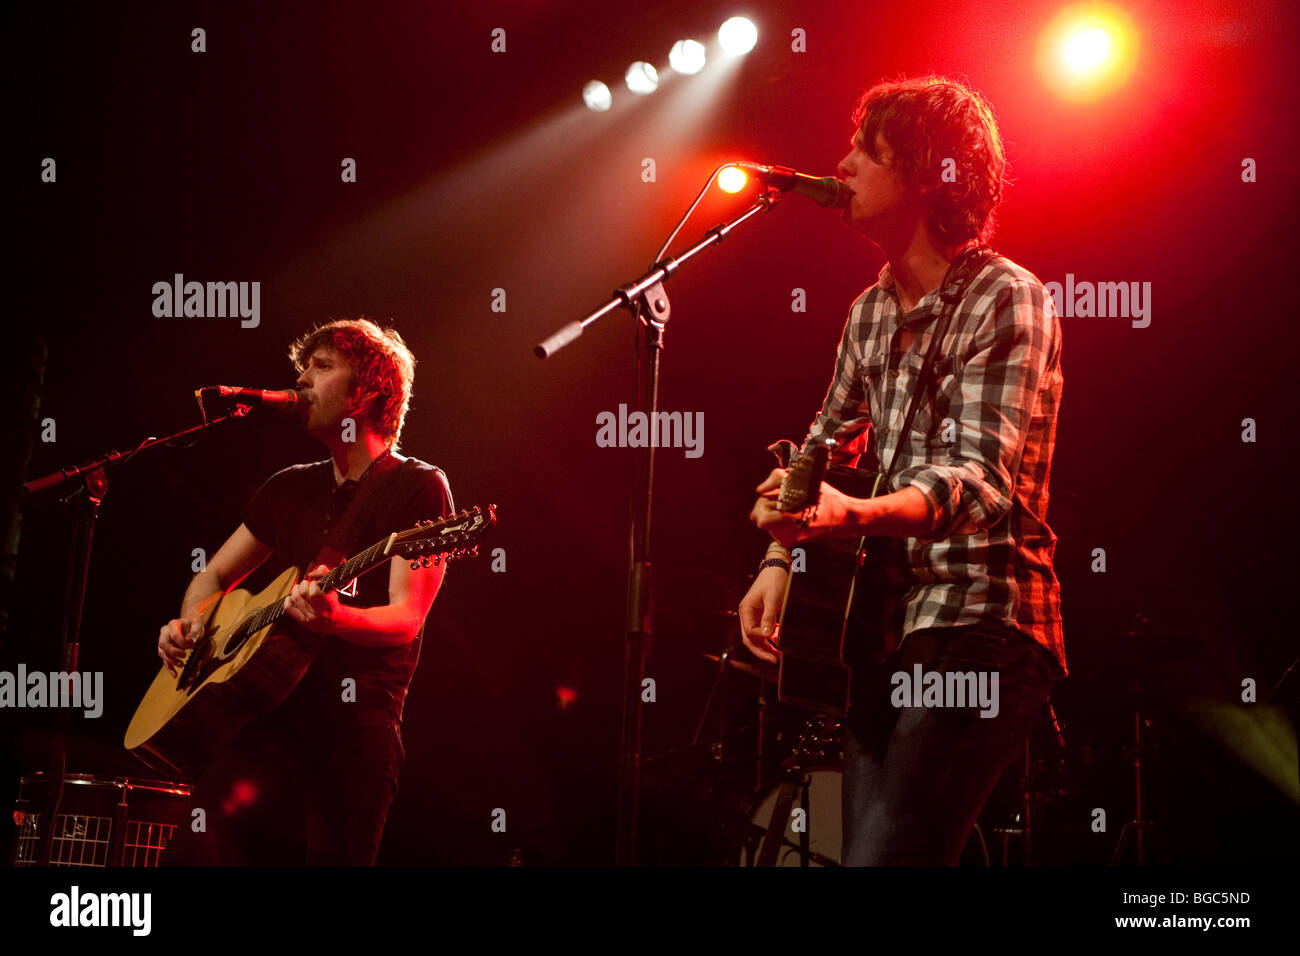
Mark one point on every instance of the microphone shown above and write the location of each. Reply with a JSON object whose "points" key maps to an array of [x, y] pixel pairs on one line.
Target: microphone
{"points": [[828, 191], [284, 400]]}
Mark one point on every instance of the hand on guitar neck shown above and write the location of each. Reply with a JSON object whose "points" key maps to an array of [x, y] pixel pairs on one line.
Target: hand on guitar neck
{"points": [[797, 506], [794, 506], [311, 607], [905, 513], [834, 515]]}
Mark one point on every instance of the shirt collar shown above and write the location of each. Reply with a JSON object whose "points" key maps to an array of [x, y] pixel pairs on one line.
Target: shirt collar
{"points": [[922, 308], [886, 281], [379, 462]]}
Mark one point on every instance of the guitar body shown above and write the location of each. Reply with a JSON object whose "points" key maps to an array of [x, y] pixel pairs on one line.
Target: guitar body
{"points": [[230, 677], [250, 654], [836, 615]]}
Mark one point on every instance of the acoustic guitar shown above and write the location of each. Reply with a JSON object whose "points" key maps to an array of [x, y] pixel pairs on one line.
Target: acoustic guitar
{"points": [[247, 659], [838, 608]]}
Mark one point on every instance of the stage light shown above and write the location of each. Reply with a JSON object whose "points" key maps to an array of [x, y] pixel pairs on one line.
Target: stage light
{"points": [[731, 179], [687, 56], [641, 77], [738, 36], [1087, 51], [597, 96]]}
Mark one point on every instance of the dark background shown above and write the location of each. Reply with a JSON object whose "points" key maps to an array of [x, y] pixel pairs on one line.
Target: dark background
{"points": [[481, 170]]}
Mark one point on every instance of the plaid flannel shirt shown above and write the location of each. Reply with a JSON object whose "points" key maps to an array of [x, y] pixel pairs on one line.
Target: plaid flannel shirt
{"points": [[979, 449]]}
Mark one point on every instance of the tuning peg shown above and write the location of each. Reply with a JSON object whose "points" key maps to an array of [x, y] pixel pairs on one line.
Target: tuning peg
{"points": [[437, 560], [415, 565]]}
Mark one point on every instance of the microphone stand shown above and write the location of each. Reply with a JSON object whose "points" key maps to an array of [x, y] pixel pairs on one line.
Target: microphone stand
{"points": [[94, 482], [646, 300]]}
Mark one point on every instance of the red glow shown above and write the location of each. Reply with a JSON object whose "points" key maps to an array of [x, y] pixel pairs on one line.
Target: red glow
{"points": [[566, 697], [242, 794]]}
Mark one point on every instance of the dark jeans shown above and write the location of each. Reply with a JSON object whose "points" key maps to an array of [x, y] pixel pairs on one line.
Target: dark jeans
{"points": [[916, 778], [286, 792]]}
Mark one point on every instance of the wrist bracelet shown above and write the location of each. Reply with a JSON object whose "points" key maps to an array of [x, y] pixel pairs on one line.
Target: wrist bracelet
{"points": [[774, 563]]}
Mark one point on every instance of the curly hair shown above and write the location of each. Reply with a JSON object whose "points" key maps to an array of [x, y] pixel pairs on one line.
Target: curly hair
{"points": [[928, 121], [383, 368]]}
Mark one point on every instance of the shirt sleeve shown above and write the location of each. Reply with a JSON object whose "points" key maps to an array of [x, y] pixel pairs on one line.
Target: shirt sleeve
{"points": [[431, 498], [845, 413], [259, 513], [993, 404]]}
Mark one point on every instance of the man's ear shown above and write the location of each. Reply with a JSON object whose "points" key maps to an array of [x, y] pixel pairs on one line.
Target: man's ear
{"points": [[365, 408]]}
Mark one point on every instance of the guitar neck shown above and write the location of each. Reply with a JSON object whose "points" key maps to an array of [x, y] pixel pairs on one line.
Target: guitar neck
{"points": [[354, 567]]}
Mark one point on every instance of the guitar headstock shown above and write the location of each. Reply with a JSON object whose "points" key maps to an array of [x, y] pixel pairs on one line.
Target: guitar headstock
{"points": [[805, 471], [451, 537]]}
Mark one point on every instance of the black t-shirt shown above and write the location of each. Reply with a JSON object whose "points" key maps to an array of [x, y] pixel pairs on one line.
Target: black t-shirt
{"points": [[293, 513]]}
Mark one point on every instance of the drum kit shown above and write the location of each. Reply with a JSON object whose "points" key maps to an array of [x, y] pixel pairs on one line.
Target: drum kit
{"points": [[792, 812], [101, 821]]}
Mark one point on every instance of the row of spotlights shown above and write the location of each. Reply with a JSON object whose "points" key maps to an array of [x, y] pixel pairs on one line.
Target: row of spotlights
{"points": [[737, 37], [687, 56]]}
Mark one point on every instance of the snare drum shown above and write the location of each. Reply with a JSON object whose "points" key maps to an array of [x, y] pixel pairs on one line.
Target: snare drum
{"points": [[101, 822]]}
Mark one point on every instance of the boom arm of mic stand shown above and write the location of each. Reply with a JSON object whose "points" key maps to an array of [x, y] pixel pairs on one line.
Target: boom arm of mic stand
{"points": [[625, 295]]}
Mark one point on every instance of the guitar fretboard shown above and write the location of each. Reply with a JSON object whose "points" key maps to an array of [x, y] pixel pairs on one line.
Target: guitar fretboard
{"points": [[353, 567]]}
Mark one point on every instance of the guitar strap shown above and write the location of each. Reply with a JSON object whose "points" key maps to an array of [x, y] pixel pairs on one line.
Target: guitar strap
{"points": [[952, 290], [333, 549]]}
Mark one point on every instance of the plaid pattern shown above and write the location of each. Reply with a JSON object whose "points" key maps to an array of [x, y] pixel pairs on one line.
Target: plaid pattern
{"points": [[980, 447]]}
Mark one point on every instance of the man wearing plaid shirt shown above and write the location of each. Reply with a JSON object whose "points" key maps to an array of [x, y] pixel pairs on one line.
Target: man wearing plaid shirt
{"points": [[969, 491]]}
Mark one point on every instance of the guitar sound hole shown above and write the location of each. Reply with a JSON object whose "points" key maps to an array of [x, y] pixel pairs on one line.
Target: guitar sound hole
{"points": [[234, 642]]}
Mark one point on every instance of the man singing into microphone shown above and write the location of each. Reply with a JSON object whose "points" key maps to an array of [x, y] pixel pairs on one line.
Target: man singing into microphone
{"points": [[322, 769], [969, 489]]}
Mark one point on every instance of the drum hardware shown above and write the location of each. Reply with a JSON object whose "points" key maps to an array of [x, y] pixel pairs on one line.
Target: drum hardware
{"points": [[1136, 828], [821, 796], [101, 822], [732, 824], [819, 739]]}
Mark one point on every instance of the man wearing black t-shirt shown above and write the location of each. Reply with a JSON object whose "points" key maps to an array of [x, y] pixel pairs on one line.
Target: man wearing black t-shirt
{"points": [[322, 768]]}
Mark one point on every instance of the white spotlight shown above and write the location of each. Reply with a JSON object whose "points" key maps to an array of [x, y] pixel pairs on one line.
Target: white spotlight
{"points": [[641, 77], [597, 96], [687, 56], [738, 36]]}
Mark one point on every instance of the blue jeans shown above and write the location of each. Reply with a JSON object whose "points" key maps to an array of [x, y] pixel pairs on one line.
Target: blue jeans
{"points": [[916, 778]]}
